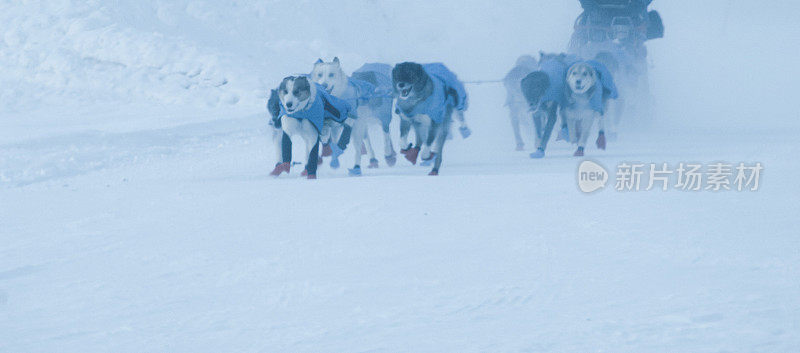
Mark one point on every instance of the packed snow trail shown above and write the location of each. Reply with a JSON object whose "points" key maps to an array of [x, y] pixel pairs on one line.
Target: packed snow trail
{"points": [[199, 250]]}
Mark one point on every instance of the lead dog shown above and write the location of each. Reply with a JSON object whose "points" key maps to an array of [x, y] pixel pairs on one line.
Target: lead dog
{"points": [[427, 97], [305, 108], [591, 86], [368, 92]]}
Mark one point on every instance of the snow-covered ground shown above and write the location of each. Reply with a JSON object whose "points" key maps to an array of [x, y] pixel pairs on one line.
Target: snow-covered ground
{"points": [[136, 214]]}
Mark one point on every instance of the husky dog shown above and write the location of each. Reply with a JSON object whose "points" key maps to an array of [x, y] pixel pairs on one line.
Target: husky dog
{"points": [[305, 108], [427, 97], [372, 106], [515, 101], [544, 91], [590, 88]]}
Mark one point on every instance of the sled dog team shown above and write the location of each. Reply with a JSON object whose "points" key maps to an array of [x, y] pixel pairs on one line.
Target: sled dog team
{"points": [[330, 110]]}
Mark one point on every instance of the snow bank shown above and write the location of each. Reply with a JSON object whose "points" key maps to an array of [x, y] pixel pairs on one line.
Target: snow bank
{"points": [[101, 57], [57, 53], [186, 57]]}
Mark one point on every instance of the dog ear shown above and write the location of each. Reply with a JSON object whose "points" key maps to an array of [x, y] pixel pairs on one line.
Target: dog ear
{"points": [[319, 61], [336, 60], [282, 86]]}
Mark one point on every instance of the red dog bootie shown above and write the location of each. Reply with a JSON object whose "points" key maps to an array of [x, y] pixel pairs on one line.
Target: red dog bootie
{"points": [[280, 169], [326, 149], [601, 141], [411, 154]]}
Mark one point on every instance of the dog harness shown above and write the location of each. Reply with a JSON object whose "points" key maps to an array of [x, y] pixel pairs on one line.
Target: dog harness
{"points": [[362, 92], [379, 75], [324, 106]]}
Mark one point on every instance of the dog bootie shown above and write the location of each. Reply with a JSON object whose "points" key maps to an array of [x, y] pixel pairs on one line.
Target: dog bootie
{"points": [[578, 152], [311, 176], [434, 173], [429, 160], [280, 169], [539, 154], [520, 147], [465, 131], [356, 171], [326, 149], [304, 172], [601, 141], [373, 163], [391, 160], [411, 154], [335, 153], [563, 134]]}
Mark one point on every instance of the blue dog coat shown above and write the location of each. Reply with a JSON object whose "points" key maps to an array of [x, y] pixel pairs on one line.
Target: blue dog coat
{"points": [[325, 106], [604, 87], [447, 91]]}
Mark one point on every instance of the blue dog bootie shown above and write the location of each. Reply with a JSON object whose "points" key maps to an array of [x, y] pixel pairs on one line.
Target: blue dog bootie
{"points": [[356, 171], [335, 153], [465, 132], [539, 154], [428, 162]]}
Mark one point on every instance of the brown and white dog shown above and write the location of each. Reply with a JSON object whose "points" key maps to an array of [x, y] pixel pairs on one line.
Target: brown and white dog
{"points": [[582, 81]]}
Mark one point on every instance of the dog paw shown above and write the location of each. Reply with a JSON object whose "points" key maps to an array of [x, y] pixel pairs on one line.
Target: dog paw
{"points": [[326, 149], [391, 160], [411, 154], [373, 163], [280, 169], [539, 154], [601, 141], [356, 171], [465, 132], [428, 161]]}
